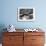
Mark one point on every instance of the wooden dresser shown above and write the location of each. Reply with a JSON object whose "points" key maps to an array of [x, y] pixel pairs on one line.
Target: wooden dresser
{"points": [[23, 39]]}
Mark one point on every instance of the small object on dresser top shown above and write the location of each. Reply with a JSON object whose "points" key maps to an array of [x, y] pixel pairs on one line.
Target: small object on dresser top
{"points": [[31, 30], [11, 28]]}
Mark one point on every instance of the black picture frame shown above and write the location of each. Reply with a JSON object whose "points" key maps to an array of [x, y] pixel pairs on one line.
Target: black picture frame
{"points": [[26, 14]]}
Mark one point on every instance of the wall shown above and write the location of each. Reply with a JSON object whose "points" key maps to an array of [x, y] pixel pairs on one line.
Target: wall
{"points": [[9, 13]]}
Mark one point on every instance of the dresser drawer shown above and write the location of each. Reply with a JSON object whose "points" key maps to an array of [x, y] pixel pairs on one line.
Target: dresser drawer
{"points": [[13, 44], [37, 39], [12, 39], [34, 33], [13, 33], [37, 44]]}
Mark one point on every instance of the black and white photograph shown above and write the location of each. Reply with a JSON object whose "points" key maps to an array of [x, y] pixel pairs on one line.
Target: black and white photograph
{"points": [[26, 14]]}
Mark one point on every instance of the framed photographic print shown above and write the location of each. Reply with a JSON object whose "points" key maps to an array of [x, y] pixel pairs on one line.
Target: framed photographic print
{"points": [[26, 14]]}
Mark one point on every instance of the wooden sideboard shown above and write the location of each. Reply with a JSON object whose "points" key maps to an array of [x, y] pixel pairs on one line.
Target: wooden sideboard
{"points": [[23, 39]]}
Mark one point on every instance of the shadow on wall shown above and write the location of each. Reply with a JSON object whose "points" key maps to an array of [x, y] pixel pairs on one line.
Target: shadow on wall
{"points": [[2, 26]]}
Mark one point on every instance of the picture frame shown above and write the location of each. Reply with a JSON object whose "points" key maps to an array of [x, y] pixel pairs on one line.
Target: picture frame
{"points": [[26, 14]]}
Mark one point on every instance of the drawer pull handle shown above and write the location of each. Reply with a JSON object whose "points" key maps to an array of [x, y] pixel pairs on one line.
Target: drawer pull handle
{"points": [[33, 39], [11, 38]]}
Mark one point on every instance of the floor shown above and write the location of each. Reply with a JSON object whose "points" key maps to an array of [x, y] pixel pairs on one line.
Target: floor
{"points": [[0, 44]]}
